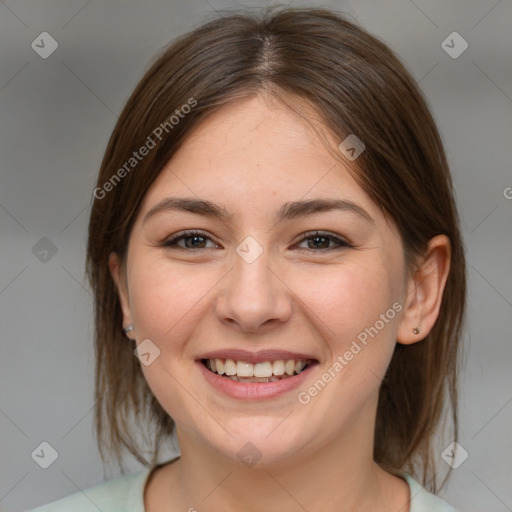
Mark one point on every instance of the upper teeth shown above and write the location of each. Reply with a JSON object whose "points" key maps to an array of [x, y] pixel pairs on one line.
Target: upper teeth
{"points": [[263, 369]]}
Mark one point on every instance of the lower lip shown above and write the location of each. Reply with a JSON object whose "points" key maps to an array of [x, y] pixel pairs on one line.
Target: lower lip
{"points": [[254, 390]]}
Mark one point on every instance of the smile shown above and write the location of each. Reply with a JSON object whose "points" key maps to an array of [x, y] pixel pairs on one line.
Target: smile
{"points": [[255, 376], [261, 372]]}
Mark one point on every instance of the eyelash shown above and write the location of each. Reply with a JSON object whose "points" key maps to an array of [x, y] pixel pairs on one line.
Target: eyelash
{"points": [[172, 243]]}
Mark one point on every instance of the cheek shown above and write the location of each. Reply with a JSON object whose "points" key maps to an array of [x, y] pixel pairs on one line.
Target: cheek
{"points": [[344, 301], [359, 324], [168, 299], [167, 305], [354, 313]]}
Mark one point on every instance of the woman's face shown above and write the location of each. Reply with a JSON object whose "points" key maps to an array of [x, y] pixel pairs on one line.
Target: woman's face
{"points": [[257, 284]]}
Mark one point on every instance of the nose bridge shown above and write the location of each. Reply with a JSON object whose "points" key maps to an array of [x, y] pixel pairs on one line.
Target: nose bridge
{"points": [[252, 294]]}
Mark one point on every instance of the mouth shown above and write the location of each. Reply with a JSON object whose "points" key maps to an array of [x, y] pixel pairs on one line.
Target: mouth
{"points": [[260, 372], [261, 375]]}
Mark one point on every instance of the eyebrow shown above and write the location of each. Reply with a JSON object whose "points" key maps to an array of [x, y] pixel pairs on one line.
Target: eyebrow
{"points": [[288, 211]]}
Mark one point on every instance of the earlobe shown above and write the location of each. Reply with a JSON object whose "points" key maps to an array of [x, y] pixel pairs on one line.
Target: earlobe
{"points": [[425, 292], [122, 289]]}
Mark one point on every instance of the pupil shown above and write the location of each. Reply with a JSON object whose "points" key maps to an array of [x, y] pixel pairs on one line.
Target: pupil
{"points": [[194, 239], [316, 240]]}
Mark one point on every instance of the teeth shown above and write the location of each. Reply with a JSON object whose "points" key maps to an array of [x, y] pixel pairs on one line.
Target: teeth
{"points": [[230, 367], [289, 367], [278, 367], [299, 366], [244, 369], [219, 366], [254, 379], [263, 369], [267, 371]]}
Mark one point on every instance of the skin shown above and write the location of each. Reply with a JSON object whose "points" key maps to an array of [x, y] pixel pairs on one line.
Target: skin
{"points": [[252, 157]]}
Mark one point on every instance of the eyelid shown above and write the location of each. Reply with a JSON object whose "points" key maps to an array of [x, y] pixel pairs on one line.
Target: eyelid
{"points": [[172, 241], [342, 241], [337, 239]]}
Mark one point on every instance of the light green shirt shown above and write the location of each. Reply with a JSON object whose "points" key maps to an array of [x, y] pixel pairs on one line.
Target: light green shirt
{"points": [[126, 494]]}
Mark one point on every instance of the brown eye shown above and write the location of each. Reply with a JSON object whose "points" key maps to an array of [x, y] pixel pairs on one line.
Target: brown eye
{"points": [[322, 241], [192, 240], [317, 241]]}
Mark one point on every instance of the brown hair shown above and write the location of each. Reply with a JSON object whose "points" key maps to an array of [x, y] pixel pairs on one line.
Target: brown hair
{"points": [[356, 85]]}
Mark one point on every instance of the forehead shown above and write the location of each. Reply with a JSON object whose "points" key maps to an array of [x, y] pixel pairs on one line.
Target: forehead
{"points": [[252, 154]]}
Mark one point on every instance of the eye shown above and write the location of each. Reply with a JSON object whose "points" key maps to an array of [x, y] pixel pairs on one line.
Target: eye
{"points": [[321, 240], [192, 240]]}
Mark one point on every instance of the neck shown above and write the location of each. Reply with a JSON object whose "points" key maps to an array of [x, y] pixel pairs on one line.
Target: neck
{"points": [[339, 476], [324, 482]]}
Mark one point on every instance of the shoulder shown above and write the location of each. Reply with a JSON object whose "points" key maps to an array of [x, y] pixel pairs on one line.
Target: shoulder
{"points": [[422, 500], [125, 493]]}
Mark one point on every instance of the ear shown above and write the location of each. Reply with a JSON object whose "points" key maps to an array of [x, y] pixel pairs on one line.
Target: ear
{"points": [[425, 291], [116, 271]]}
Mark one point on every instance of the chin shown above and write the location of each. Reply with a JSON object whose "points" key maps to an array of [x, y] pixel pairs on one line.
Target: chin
{"points": [[258, 441]]}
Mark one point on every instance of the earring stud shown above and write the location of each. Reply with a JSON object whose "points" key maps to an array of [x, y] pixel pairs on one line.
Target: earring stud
{"points": [[416, 330], [128, 329]]}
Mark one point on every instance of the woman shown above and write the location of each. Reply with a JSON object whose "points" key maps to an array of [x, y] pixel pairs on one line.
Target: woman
{"points": [[274, 232]]}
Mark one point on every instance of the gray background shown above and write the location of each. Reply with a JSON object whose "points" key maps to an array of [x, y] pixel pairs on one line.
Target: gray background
{"points": [[57, 114]]}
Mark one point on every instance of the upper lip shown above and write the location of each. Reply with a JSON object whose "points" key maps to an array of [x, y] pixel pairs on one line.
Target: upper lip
{"points": [[255, 357]]}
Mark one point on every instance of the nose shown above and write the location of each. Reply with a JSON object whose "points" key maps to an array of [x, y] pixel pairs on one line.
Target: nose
{"points": [[253, 297]]}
